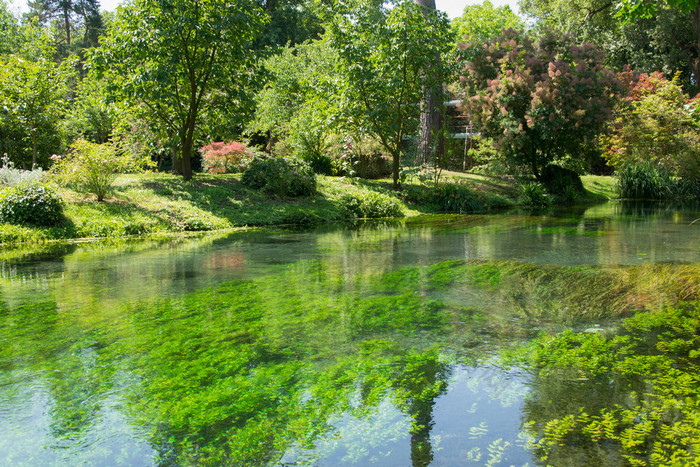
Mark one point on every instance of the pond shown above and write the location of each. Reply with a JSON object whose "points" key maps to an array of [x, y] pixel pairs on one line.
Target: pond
{"points": [[373, 344]]}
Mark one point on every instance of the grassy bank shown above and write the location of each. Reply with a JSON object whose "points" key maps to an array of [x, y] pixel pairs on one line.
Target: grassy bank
{"points": [[162, 203]]}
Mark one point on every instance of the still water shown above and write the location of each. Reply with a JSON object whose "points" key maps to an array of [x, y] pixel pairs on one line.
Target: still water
{"points": [[372, 344]]}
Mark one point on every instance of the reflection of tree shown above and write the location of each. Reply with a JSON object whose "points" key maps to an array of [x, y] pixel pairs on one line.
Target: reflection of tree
{"points": [[420, 383], [60, 357]]}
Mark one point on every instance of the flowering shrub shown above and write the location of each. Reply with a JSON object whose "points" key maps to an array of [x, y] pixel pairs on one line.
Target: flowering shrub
{"points": [[281, 177], [539, 101], [32, 204], [656, 124], [91, 167], [230, 157]]}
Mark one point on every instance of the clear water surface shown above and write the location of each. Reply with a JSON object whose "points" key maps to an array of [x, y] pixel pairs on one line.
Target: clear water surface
{"points": [[373, 344]]}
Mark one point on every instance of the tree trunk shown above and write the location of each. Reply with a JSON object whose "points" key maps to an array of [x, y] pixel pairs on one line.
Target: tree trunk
{"points": [[33, 148], [66, 21], [396, 157], [695, 61], [431, 144]]}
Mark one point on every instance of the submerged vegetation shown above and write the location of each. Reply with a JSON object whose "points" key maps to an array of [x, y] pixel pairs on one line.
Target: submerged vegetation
{"points": [[650, 375], [280, 366]]}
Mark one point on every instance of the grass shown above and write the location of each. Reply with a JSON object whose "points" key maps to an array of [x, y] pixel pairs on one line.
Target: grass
{"points": [[157, 203]]}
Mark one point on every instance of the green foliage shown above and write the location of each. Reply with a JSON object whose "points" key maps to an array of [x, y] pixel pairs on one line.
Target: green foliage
{"points": [[10, 176], [540, 102], [32, 102], [559, 180], [31, 204], [534, 194], [92, 116], [281, 177], [181, 60], [656, 125], [297, 103], [482, 22], [92, 167], [370, 204], [384, 56], [644, 181], [657, 354], [453, 197], [665, 41]]}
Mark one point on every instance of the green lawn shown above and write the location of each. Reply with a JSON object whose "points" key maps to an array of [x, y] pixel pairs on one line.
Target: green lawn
{"points": [[156, 203]]}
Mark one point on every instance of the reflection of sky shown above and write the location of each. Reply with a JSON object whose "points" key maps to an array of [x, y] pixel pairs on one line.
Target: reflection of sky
{"points": [[453, 8], [476, 421]]}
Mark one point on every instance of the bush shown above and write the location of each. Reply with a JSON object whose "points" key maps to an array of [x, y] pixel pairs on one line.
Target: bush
{"points": [[320, 164], [534, 194], [10, 176], [450, 197], [559, 180], [369, 204], [91, 167], [657, 124], [230, 157], [32, 204], [281, 177], [644, 181]]}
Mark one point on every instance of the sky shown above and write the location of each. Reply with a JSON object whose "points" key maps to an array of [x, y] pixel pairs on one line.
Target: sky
{"points": [[453, 8]]}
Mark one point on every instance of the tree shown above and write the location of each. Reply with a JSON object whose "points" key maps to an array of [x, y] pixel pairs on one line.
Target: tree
{"points": [[665, 41], [630, 10], [9, 29], [481, 23], [71, 15], [32, 104], [431, 144], [541, 102], [291, 22], [384, 54], [170, 55], [656, 124], [296, 105]]}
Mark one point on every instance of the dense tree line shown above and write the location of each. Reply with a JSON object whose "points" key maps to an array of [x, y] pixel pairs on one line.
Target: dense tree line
{"points": [[309, 79]]}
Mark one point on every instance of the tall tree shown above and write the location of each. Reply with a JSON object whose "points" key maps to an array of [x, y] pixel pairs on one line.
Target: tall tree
{"points": [[482, 22], [648, 36], [72, 15], [32, 104], [431, 145], [630, 10], [169, 55], [384, 54]]}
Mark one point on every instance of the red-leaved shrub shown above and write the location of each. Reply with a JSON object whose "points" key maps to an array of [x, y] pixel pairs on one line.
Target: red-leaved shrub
{"points": [[229, 157]]}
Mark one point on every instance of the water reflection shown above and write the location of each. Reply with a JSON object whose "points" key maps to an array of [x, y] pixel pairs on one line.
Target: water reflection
{"points": [[365, 344]]}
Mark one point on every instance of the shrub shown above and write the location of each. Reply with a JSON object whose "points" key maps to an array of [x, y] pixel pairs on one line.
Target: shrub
{"points": [[32, 204], [534, 194], [449, 197], [10, 176], [558, 180], [230, 157], [281, 177], [644, 181], [320, 164], [369, 204], [91, 167], [656, 124]]}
